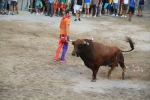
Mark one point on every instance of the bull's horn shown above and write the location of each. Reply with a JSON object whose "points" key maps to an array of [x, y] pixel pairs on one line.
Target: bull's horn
{"points": [[86, 43], [71, 40]]}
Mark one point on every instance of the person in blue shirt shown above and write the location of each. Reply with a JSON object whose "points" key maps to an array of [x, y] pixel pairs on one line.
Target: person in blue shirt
{"points": [[132, 4]]}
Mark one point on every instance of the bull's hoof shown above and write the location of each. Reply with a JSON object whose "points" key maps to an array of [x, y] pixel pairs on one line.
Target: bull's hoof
{"points": [[94, 80], [123, 77]]}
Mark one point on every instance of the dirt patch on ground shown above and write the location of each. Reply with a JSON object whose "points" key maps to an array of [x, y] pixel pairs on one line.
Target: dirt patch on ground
{"points": [[28, 72]]}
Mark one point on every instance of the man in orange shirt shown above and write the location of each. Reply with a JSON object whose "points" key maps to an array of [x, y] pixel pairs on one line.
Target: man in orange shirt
{"points": [[64, 36]]}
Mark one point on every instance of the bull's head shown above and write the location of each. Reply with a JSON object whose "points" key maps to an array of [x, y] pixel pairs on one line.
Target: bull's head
{"points": [[79, 46]]}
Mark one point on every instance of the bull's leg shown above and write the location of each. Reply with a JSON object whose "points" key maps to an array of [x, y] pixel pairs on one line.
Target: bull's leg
{"points": [[123, 69], [94, 76], [120, 59], [109, 72], [95, 70]]}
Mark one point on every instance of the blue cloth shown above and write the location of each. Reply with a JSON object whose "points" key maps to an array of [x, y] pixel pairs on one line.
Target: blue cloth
{"points": [[132, 3], [86, 1]]}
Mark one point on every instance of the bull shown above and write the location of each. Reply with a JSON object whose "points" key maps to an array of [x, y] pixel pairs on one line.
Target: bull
{"points": [[96, 54]]}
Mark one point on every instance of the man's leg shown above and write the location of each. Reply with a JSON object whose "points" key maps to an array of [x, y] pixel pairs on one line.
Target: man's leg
{"points": [[65, 47]]}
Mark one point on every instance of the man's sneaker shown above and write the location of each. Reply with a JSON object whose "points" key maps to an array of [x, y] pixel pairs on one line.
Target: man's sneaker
{"points": [[88, 16], [129, 20], [75, 20], [63, 60], [122, 16], [42, 13], [113, 15], [84, 15], [95, 16], [37, 14], [12, 13], [116, 15], [79, 19], [99, 14]]}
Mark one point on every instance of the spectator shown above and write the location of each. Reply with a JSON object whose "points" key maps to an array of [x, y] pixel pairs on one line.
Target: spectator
{"points": [[50, 6], [55, 6], [61, 6], [115, 8], [38, 5], [44, 6], [124, 8], [99, 9], [131, 9], [86, 8], [140, 8], [1, 6], [13, 6], [64, 36], [9, 7], [32, 6], [78, 8], [5, 7], [110, 7], [68, 3], [106, 7], [94, 6], [120, 7]]}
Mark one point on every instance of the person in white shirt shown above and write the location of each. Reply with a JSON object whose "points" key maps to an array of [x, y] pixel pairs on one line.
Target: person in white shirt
{"points": [[124, 8], [115, 7]]}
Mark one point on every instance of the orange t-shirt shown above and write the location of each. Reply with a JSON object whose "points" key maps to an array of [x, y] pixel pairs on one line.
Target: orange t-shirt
{"points": [[65, 21]]}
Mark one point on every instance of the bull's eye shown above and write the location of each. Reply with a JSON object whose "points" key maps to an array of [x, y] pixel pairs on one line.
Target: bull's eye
{"points": [[80, 46]]}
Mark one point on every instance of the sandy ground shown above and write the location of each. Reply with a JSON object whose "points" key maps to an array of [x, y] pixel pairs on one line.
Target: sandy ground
{"points": [[28, 72]]}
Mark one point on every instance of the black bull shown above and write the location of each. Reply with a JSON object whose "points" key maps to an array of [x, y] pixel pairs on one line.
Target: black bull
{"points": [[96, 54]]}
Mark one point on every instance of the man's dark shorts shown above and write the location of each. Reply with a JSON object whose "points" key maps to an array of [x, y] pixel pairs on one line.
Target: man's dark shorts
{"points": [[131, 9]]}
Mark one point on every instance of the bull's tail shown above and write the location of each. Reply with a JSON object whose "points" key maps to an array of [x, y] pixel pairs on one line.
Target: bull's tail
{"points": [[128, 39]]}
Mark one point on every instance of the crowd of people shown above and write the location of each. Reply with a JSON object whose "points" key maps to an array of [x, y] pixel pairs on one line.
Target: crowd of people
{"points": [[89, 8]]}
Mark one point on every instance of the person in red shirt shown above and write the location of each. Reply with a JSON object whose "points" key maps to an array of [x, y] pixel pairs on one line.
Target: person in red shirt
{"points": [[64, 36]]}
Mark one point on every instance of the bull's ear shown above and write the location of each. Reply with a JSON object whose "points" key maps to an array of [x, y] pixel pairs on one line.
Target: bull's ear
{"points": [[73, 43]]}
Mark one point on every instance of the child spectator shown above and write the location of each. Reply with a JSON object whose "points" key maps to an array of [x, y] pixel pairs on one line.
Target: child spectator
{"points": [[61, 6], [68, 4], [38, 5]]}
